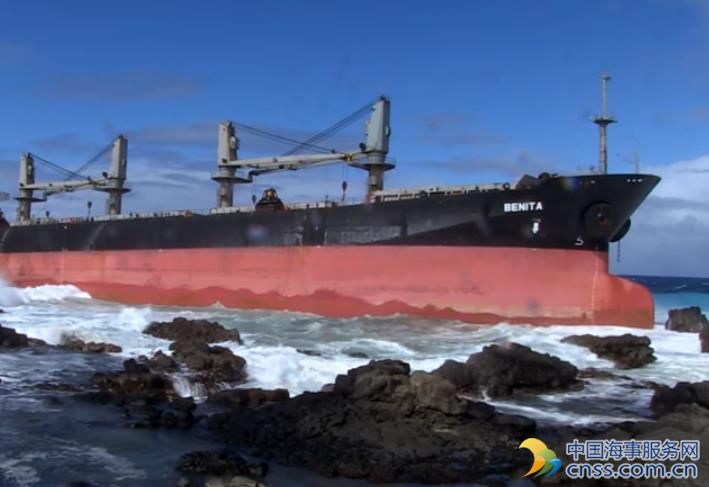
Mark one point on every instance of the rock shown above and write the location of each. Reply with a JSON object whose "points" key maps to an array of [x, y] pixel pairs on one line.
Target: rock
{"points": [[310, 353], [459, 374], [159, 362], [666, 399], [213, 364], [219, 463], [132, 366], [154, 387], [148, 398], [183, 329], [507, 370], [376, 378], [248, 397], [516, 422], [134, 384], [385, 424], [687, 320], [479, 410], [9, 338], [217, 421], [686, 422], [77, 345], [357, 355], [236, 481], [594, 373], [434, 392], [626, 351]]}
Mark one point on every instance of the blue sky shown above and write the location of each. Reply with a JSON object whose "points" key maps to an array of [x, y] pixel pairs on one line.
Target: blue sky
{"points": [[480, 91]]}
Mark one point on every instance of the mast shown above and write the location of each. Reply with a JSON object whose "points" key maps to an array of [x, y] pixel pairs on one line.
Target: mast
{"points": [[603, 120], [377, 147], [26, 196], [116, 176], [227, 152]]}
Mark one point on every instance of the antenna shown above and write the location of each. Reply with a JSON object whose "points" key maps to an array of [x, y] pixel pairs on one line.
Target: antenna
{"points": [[635, 160], [603, 120]]}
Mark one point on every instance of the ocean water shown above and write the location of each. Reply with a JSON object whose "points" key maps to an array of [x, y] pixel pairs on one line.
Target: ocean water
{"points": [[48, 438]]}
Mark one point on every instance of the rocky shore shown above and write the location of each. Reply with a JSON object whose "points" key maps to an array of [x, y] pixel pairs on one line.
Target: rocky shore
{"points": [[381, 422]]}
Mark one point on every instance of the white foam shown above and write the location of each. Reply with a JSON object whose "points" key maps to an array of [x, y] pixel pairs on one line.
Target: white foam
{"points": [[274, 367], [119, 468], [186, 388], [51, 293], [9, 296], [558, 417], [14, 470], [271, 338]]}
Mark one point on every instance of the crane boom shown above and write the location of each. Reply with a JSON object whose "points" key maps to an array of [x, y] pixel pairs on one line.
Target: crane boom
{"points": [[374, 151], [112, 181], [66, 186], [294, 162]]}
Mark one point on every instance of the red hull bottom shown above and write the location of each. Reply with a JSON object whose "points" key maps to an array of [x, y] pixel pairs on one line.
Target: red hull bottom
{"points": [[472, 284]]}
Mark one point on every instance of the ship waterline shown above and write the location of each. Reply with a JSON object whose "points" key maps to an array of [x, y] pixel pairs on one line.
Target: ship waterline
{"points": [[485, 285]]}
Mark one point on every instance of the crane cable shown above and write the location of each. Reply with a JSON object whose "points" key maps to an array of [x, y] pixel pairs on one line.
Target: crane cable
{"points": [[311, 143], [94, 159], [280, 138], [334, 128], [56, 167], [72, 174]]}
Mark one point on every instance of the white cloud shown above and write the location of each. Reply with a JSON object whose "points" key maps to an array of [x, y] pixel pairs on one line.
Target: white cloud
{"points": [[687, 180], [670, 232]]}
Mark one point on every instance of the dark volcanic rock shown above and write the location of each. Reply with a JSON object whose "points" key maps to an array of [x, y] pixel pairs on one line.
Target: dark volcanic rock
{"points": [[77, 345], [503, 371], [685, 422], [666, 399], [310, 353], [688, 320], [182, 329], [9, 338], [248, 397], [145, 386], [221, 462], [459, 374], [213, 364], [626, 351], [593, 373], [382, 423], [376, 378], [161, 361], [148, 398], [357, 355]]}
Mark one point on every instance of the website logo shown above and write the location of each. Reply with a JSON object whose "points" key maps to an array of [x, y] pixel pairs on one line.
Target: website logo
{"points": [[545, 461]]}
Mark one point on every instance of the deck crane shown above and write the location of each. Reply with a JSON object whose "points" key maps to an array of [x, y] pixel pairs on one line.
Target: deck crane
{"points": [[110, 182], [370, 156]]}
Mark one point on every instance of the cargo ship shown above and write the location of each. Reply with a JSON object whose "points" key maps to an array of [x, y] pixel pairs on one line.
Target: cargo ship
{"points": [[534, 251]]}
